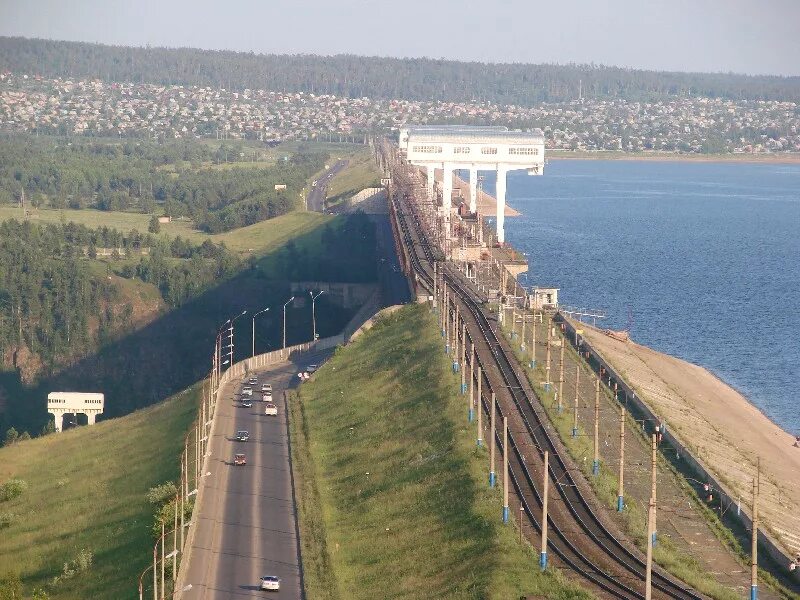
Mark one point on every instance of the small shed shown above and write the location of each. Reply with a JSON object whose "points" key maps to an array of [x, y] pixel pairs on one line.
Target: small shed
{"points": [[543, 298]]}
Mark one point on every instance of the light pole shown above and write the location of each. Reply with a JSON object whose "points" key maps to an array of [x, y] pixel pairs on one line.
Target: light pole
{"points": [[232, 321], [254, 329], [284, 324], [313, 313]]}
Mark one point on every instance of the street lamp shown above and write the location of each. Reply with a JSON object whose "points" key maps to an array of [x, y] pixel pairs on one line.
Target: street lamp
{"points": [[284, 324], [313, 313], [254, 329], [232, 321]]}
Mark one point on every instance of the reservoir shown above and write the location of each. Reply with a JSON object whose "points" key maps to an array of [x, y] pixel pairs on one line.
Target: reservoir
{"points": [[700, 260]]}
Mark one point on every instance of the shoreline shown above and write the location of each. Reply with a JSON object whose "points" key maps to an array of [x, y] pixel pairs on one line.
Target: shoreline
{"points": [[765, 159], [725, 431]]}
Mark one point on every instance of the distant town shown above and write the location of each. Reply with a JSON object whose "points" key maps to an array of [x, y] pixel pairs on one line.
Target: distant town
{"points": [[96, 108]]}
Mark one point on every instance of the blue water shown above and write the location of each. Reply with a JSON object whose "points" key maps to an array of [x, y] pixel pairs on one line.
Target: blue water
{"points": [[702, 259]]}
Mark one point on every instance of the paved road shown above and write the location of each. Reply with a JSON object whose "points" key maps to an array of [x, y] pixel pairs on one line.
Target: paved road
{"points": [[247, 523], [318, 193]]}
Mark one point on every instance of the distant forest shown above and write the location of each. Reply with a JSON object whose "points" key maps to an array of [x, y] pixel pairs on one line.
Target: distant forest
{"points": [[374, 77]]}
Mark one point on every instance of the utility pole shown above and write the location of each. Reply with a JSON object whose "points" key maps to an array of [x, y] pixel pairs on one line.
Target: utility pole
{"points": [[470, 409], [463, 357], [505, 470], [596, 462], [545, 486], [522, 341], [183, 498], [447, 323], [162, 559], [435, 283], [491, 445], [479, 402], [561, 376], [533, 340], [175, 543], [575, 407], [653, 488], [547, 363], [754, 539], [155, 572], [621, 490]]}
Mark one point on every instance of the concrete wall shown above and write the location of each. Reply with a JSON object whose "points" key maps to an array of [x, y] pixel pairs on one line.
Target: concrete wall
{"points": [[640, 410], [346, 295]]}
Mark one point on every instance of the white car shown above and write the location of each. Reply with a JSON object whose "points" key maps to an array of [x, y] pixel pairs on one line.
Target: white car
{"points": [[271, 583], [253, 381], [266, 388], [247, 391], [266, 397], [270, 409]]}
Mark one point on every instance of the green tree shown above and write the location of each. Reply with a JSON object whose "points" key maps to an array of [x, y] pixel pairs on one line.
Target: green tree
{"points": [[154, 226], [11, 437]]}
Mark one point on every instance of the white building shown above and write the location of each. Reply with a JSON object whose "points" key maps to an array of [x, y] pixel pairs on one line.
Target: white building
{"points": [[74, 403], [476, 149]]}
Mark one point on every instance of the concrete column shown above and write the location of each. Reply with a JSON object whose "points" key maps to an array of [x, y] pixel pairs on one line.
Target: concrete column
{"points": [[501, 203], [447, 188], [90, 417], [473, 189], [431, 173], [58, 414]]}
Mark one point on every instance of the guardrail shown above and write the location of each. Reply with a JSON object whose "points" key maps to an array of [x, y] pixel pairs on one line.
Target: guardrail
{"points": [[642, 410]]}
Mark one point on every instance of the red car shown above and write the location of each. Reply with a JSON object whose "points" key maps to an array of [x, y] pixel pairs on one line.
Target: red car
{"points": [[239, 459]]}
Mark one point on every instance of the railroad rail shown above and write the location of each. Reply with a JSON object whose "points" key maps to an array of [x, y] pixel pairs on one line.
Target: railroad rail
{"points": [[594, 537]]}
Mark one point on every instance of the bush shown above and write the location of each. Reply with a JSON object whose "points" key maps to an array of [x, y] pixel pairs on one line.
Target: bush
{"points": [[12, 488], [11, 437], [6, 519], [161, 493], [81, 564], [10, 587]]}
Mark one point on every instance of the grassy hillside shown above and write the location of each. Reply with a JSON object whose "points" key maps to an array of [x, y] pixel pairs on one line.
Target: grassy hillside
{"points": [[393, 498], [257, 238], [360, 173], [86, 491]]}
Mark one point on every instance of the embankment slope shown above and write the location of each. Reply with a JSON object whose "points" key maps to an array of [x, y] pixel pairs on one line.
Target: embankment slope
{"points": [[393, 500]]}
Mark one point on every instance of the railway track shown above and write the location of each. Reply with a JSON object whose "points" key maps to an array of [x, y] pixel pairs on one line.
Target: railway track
{"points": [[620, 568]]}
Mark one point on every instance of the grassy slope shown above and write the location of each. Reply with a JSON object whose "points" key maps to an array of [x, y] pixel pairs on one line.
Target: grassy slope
{"points": [[257, 238], [380, 441], [360, 173], [86, 489]]}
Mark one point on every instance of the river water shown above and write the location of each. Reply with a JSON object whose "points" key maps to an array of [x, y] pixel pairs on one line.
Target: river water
{"points": [[700, 260]]}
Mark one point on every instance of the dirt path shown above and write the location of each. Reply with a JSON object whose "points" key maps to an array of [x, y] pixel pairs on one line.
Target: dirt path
{"points": [[722, 428]]}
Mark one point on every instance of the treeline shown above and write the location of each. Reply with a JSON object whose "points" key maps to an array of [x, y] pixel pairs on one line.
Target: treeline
{"points": [[139, 176], [54, 307], [375, 77]]}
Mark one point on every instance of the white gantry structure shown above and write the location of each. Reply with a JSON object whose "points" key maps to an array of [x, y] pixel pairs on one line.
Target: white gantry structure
{"points": [[475, 149], [69, 403]]}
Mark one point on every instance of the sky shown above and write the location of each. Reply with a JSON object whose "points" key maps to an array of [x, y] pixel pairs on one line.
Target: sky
{"points": [[743, 36]]}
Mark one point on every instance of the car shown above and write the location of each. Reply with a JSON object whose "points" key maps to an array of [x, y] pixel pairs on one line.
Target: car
{"points": [[271, 583], [311, 368], [242, 436], [239, 459], [247, 403], [253, 381], [266, 388], [270, 409], [247, 391]]}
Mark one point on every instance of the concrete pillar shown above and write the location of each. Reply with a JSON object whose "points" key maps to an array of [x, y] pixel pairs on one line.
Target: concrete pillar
{"points": [[431, 171], [90, 417], [501, 203], [59, 417], [473, 189], [447, 188]]}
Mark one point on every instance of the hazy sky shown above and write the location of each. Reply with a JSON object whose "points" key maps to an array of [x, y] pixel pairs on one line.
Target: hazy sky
{"points": [[745, 36]]}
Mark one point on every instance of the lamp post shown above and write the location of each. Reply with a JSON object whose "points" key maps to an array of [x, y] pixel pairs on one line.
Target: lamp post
{"points": [[254, 329], [284, 324], [232, 321], [314, 314]]}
